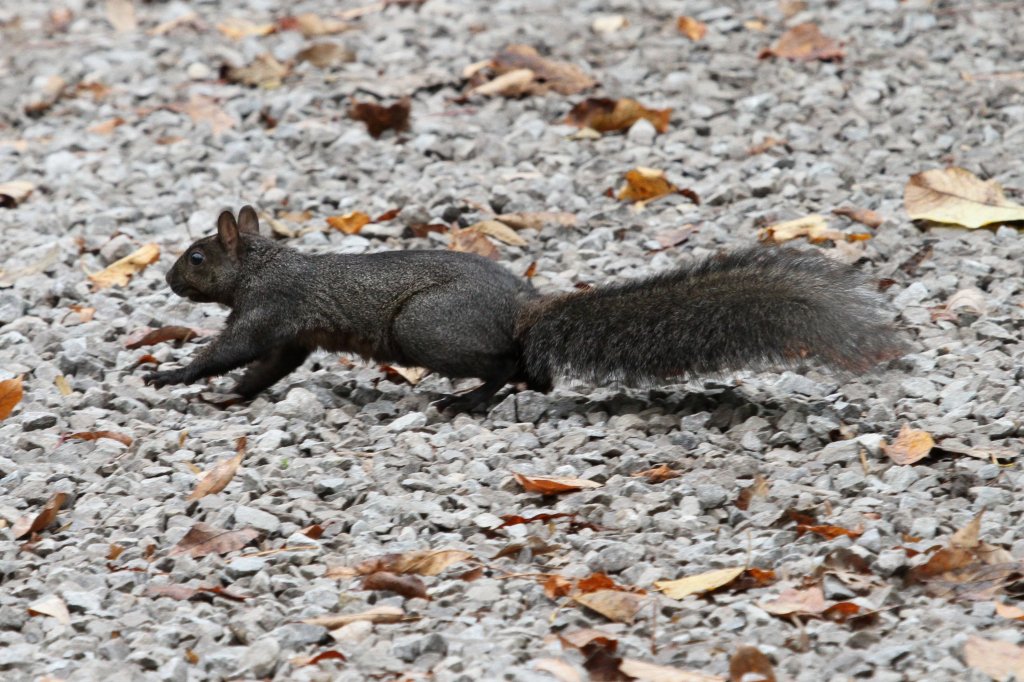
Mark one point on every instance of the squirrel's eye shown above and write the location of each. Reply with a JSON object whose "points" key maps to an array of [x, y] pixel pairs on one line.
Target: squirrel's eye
{"points": [[196, 258]]}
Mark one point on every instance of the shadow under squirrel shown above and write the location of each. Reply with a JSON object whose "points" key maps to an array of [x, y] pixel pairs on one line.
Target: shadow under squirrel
{"points": [[461, 315]]}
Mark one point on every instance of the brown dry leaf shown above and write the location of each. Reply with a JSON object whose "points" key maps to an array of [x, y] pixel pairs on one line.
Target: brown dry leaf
{"points": [[151, 337], [1009, 611], [14, 192], [814, 227], [499, 231], [968, 537], [863, 216], [554, 485], [237, 29], [698, 584], [121, 15], [810, 601], [647, 184], [428, 562], [691, 28], [379, 119], [264, 71], [543, 74], [556, 586], [329, 655], [805, 42], [615, 605], [958, 197], [748, 664], [649, 672], [378, 614], [187, 17], [106, 127], [96, 435], [43, 520], [910, 446], [324, 55], [202, 109], [511, 84], [120, 272], [537, 219], [658, 474], [410, 375], [759, 489], [559, 669], [187, 592], [610, 115], [203, 539], [11, 391], [997, 659], [472, 241], [829, 532], [350, 223], [52, 606], [310, 24], [409, 586], [217, 478]]}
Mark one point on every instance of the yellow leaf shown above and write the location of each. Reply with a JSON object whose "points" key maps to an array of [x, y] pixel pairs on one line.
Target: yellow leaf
{"points": [[814, 227], [120, 272], [10, 395], [695, 584], [691, 28], [910, 446], [236, 29], [644, 184], [958, 197], [499, 231], [350, 223]]}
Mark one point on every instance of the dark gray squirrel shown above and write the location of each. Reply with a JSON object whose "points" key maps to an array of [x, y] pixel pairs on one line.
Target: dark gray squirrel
{"points": [[462, 315]]}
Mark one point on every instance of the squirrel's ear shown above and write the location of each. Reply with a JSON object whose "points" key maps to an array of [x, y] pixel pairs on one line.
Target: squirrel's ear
{"points": [[227, 232], [247, 220]]}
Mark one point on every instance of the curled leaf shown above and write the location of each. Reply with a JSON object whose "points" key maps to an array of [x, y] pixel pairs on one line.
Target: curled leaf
{"points": [[379, 119], [958, 197], [805, 42], [698, 584], [910, 446], [11, 391], [554, 485], [350, 223], [610, 115]]}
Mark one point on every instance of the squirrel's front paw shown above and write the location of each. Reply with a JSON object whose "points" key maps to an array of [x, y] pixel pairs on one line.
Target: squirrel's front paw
{"points": [[158, 379]]}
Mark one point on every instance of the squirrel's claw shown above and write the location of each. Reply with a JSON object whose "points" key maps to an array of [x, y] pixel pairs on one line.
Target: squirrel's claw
{"points": [[159, 379]]}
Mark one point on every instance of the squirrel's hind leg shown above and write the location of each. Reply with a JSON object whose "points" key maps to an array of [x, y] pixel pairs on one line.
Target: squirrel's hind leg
{"points": [[271, 368]]}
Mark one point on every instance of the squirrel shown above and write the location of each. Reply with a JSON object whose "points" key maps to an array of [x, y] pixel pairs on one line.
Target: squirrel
{"points": [[462, 315]]}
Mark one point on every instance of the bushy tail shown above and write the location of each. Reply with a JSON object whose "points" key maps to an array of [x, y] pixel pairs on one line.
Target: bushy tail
{"points": [[757, 308]]}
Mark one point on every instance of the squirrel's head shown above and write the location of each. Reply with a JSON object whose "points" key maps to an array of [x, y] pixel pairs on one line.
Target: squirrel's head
{"points": [[210, 269]]}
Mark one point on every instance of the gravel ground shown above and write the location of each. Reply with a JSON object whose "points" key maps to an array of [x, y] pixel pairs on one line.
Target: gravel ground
{"points": [[368, 459]]}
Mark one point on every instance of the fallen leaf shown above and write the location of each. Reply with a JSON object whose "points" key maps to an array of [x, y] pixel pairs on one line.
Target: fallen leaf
{"points": [[910, 446], [202, 109], [1009, 611], [264, 71], [43, 520], [649, 672], [120, 272], [45, 97], [186, 17], [498, 230], [609, 23], [96, 435], [537, 219], [759, 489], [378, 614], [997, 659], [52, 606], [14, 192], [554, 485], [691, 28], [611, 115], [49, 259], [188, 592], [106, 127], [748, 664], [61, 382], [350, 223], [615, 605], [472, 241], [596, 582], [971, 300], [115, 551], [121, 15], [958, 197], [530, 271], [814, 227], [151, 337], [658, 474], [828, 532], [521, 70], [598, 651], [379, 119], [408, 586], [556, 586], [217, 478], [861, 215], [805, 42], [559, 669], [324, 55], [409, 375], [11, 391], [310, 24], [329, 655], [698, 584], [647, 184], [423, 562], [537, 547], [203, 539], [237, 29], [808, 602]]}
